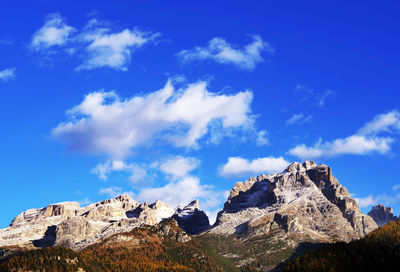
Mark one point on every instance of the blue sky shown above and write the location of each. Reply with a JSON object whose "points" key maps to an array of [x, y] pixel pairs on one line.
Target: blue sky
{"points": [[177, 101]]}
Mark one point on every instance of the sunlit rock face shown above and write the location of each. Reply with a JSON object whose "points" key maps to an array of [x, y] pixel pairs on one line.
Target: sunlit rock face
{"points": [[68, 224], [382, 215], [306, 200]]}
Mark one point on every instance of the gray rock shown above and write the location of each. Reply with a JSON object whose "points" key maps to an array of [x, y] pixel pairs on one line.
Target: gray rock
{"points": [[191, 219], [382, 215], [306, 200]]}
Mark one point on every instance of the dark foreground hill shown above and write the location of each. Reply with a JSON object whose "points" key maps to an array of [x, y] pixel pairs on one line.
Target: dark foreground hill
{"points": [[378, 251]]}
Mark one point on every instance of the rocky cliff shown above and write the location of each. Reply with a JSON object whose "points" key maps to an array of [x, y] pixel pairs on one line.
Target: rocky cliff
{"points": [[69, 225], [306, 200], [191, 219], [382, 215]]}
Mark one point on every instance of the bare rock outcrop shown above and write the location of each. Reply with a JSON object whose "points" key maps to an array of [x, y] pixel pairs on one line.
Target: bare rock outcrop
{"points": [[382, 215], [68, 224], [191, 218], [305, 200]]}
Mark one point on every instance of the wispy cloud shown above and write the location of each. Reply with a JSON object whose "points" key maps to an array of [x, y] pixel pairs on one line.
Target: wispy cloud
{"points": [[99, 44], [385, 199], [111, 191], [105, 123], [367, 140], [298, 119], [107, 48], [366, 201], [55, 32], [7, 74], [84, 202], [181, 192], [137, 173], [309, 94], [220, 51], [238, 166], [114, 191], [179, 167], [262, 139], [324, 96]]}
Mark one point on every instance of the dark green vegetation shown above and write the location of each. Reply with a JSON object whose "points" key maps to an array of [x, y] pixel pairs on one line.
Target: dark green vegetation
{"points": [[378, 251], [145, 249], [253, 254]]}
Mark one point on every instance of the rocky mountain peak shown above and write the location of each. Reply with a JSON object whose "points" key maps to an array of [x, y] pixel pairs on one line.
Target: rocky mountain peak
{"points": [[305, 199], [68, 224], [124, 198], [62, 209], [382, 215], [192, 205], [296, 166], [191, 219]]}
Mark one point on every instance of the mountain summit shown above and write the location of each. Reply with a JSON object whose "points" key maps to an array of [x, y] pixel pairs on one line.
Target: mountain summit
{"points": [[382, 215], [306, 200], [69, 225]]}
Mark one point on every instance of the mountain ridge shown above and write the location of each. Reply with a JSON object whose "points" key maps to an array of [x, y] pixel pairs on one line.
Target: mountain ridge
{"points": [[300, 208]]}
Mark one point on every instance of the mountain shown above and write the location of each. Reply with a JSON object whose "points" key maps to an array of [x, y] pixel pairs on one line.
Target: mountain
{"points": [[306, 200], [382, 215], [67, 224], [191, 219], [265, 222], [163, 247], [378, 251]]}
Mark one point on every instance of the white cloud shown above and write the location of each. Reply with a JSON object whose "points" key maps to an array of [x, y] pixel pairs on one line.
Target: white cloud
{"points": [[261, 138], [396, 187], [366, 201], [104, 123], [179, 167], [212, 215], [357, 145], [84, 202], [366, 141], [54, 32], [103, 169], [222, 52], [325, 96], [298, 119], [386, 122], [99, 44], [237, 166], [111, 191], [7, 74], [181, 193], [111, 49], [385, 199], [114, 191]]}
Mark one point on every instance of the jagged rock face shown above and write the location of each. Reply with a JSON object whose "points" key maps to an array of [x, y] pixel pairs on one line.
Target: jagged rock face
{"points": [[306, 200], [382, 215], [68, 224], [153, 213], [191, 219]]}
